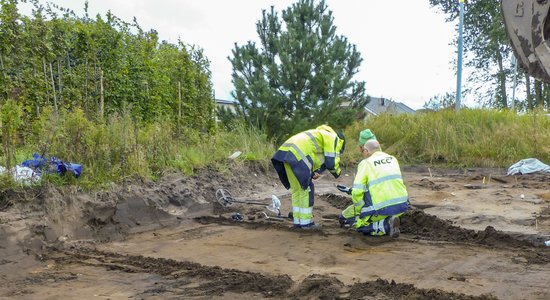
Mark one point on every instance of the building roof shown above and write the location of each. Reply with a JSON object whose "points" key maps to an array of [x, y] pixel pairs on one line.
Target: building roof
{"points": [[377, 106], [226, 102]]}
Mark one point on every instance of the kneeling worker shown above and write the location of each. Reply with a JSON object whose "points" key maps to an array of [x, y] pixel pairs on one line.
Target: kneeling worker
{"points": [[379, 195]]}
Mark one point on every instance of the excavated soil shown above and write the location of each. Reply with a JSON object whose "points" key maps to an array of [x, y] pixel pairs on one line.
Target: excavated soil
{"points": [[470, 234]]}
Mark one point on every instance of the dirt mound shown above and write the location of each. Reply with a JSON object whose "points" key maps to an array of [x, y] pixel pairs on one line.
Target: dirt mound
{"points": [[319, 287], [430, 227], [54, 214], [382, 289]]}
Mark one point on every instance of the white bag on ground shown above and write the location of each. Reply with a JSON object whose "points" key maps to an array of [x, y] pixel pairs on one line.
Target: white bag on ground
{"points": [[528, 165], [22, 174]]}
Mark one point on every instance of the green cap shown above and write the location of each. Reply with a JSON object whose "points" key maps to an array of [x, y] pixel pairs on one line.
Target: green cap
{"points": [[366, 135]]}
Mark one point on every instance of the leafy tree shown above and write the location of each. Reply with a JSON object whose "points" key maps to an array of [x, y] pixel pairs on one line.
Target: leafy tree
{"points": [[300, 73], [9, 50], [102, 65], [485, 38], [440, 102]]}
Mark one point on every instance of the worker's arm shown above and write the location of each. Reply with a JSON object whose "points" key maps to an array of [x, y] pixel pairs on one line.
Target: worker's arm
{"points": [[360, 186], [332, 156]]}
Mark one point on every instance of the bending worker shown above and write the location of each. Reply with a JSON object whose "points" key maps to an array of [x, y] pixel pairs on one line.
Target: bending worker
{"points": [[302, 158], [379, 195]]}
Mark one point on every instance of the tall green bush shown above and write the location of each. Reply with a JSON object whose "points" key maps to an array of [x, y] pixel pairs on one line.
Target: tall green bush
{"points": [[11, 122], [123, 147]]}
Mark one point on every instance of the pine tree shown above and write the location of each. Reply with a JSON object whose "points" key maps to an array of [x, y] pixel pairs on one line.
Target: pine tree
{"points": [[301, 73]]}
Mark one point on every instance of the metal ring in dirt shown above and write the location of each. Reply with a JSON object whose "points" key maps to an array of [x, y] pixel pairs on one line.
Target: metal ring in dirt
{"points": [[224, 197]]}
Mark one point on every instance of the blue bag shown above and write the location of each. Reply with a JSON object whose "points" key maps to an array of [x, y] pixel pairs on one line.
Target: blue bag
{"points": [[41, 164]]}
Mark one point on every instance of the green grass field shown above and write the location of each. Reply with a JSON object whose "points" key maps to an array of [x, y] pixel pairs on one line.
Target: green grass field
{"points": [[119, 148]]}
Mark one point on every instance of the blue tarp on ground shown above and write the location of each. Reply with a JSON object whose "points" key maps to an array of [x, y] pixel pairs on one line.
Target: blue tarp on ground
{"points": [[527, 166], [41, 164]]}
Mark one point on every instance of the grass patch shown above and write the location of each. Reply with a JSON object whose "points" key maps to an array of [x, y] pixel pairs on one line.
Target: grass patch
{"points": [[120, 148], [467, 138]]}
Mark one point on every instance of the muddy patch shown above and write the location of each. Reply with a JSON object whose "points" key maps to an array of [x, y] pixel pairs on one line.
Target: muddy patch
{"points": [[257, 224], [70, 226], [423, 226], [530, 181], [429, 184], [416, 225], [338, 201], [216, 280], [191, 279]]}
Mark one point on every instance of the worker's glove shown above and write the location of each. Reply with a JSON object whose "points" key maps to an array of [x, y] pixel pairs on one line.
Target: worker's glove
{"points": [[344, 189], [345, 222], [342, 221]]}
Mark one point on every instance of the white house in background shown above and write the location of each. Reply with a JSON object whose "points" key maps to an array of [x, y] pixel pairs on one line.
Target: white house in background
{"points": [[377, 106], [227, 104], [230, 105]]}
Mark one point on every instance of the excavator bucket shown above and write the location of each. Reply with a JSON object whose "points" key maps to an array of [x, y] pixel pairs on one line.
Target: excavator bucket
{"points": [[527, 24]]}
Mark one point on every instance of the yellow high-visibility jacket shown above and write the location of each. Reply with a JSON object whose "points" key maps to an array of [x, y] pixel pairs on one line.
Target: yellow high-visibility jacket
{"points": [[378, 187], [308, 152]]}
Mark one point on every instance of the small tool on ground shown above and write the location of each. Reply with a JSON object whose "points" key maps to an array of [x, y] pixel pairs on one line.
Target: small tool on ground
{"points": [[225, 198], [344, 189], [278, 218]]}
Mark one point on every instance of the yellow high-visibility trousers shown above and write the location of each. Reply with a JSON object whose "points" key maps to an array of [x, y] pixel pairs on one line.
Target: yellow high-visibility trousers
{"points": [[302, 200]]}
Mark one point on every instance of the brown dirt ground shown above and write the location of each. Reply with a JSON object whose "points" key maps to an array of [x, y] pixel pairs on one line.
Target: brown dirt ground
{"points": [[470, 234]]}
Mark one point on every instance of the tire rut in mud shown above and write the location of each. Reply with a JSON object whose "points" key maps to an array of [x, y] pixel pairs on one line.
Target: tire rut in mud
{"points": [[215, 281]]}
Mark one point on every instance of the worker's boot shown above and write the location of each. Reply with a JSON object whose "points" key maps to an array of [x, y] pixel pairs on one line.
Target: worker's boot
{"points": [[311, 226], [394, 227]]}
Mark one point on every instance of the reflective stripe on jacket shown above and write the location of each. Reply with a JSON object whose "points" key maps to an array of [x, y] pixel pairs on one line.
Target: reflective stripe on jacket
{"points": [[380, 176], [307, 152]]}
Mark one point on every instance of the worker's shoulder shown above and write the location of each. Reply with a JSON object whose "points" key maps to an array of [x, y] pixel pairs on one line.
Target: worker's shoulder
{"points": [[363, 162]]}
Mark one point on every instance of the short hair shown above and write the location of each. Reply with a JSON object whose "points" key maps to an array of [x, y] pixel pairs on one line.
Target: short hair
{"points": [[372, 145]]}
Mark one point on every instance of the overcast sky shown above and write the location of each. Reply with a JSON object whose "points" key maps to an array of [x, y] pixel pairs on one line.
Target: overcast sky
{"points": [[404, 43]]}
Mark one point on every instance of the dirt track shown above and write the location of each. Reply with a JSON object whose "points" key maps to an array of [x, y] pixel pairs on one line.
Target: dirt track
{"points": [[470, 235]]}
